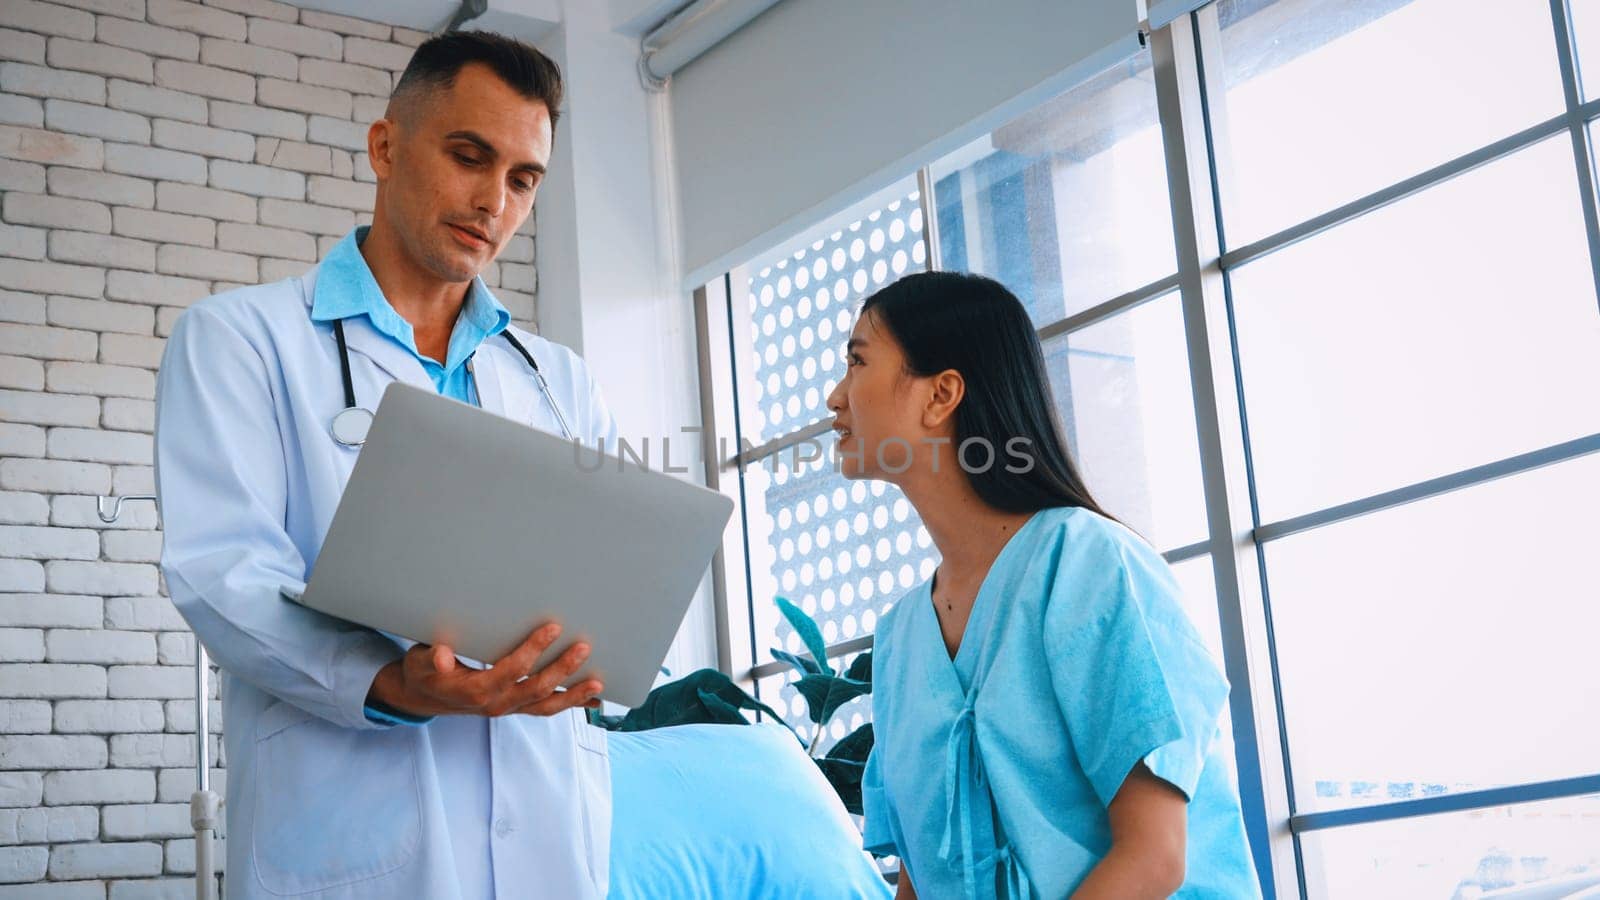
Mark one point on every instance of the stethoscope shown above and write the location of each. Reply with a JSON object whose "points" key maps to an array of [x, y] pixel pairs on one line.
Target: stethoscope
{"points": [[350, 425]]}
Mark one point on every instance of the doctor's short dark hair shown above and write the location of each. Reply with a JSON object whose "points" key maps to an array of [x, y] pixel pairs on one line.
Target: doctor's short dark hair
{"points": [[519, 64]]}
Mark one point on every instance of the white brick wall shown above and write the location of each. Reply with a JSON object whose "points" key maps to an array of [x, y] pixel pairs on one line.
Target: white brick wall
{"points": [[152, 152]]}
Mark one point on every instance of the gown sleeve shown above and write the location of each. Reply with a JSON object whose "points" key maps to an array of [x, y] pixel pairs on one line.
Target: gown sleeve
{"points": [[880, 833], [877, 831], [1131, 675]]}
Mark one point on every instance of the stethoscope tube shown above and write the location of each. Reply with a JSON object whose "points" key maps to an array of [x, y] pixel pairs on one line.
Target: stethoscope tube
{"points": [[344, 365], [544, 386], [350, 425]]}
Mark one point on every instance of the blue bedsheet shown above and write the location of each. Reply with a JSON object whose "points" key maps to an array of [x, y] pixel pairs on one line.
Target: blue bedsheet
{"points": [[722, 812]]}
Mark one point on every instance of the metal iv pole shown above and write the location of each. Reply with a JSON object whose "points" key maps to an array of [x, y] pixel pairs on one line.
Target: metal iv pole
{"points": [[204, 804]]}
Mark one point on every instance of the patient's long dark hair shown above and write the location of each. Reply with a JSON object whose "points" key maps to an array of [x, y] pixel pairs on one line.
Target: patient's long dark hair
{"points": [[974, 325]]}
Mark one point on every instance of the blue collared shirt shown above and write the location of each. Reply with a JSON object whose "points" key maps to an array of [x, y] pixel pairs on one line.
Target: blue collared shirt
{"points": [[346, 288]]}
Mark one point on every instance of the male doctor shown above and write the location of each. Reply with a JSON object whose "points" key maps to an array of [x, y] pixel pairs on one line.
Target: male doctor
{"points": [[358, 767]]}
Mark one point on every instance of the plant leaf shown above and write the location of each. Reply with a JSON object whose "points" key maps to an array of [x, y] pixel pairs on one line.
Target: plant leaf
{"points": [[720, 711], [826, 693], [809, 633], [805, 665], [845, 776], [702, 696], [855, 746], [861, 667]]}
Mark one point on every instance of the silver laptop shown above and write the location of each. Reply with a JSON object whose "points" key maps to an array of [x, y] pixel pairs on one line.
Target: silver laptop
{"points": [[464, 527]]}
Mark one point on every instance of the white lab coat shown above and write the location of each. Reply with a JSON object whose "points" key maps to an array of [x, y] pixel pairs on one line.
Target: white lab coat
{"points": [[321, 801]]}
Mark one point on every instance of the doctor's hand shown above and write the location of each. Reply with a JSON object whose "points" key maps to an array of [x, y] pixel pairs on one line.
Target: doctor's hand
{"points": [[430, 681]]}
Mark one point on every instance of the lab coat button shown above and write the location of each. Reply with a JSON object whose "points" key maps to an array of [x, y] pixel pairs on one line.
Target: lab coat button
{"points": [[502, 827]]}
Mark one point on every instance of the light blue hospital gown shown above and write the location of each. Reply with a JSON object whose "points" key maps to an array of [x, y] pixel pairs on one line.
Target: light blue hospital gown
{"points": [[1077, 663]]}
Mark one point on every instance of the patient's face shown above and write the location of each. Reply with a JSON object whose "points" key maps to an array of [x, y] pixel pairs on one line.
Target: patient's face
{"points": [[878, 406]]}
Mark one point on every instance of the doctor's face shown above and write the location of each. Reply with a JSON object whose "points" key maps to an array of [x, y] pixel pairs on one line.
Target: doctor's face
{"points": [[459, 173]]}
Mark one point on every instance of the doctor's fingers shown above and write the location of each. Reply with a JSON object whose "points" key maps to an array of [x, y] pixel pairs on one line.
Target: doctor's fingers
{"points": [[512, 667], [583, 695], [492, 696], [543, 683]]}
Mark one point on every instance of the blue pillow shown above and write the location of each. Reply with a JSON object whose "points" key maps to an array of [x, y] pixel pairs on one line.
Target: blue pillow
{"points": [[727, 812]]}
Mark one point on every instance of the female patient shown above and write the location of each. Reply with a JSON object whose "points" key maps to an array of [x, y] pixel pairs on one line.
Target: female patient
{"points": [[1046, 715]]}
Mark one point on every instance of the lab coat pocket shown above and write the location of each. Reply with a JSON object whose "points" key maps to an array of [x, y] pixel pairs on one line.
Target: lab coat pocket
{"points": [[335, 805], [594, 787]]}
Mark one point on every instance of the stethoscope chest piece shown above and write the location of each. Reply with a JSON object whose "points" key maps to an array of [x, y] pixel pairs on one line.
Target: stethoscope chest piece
{"points": [[350, 426]]}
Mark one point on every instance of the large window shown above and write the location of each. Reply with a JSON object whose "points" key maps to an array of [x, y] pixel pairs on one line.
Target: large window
{"points": [[1344, 373], [1373, 358], [1411, 279], [1326, 101]]}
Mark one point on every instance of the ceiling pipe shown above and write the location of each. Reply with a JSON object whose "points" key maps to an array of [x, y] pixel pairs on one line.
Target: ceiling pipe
{"points": [[469, 10], [690, 32]]}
